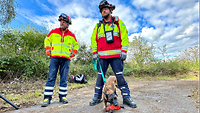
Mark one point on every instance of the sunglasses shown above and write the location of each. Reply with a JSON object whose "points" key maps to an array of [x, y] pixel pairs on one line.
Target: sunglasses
{"points": [[63, 17]]}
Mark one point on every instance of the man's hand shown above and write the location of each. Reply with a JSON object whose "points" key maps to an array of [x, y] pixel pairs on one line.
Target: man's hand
{"points": [[95, 56], [73, 53], [48, 51], [122, 56]]}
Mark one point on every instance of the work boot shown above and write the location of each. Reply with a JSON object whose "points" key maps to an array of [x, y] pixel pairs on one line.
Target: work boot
{"points": [[45, 103], [129, 102], [95, 101], [64, 100]]}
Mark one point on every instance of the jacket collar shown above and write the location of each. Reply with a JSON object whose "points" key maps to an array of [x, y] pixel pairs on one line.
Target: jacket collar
{"points": [[110, 22], [65, 31]]}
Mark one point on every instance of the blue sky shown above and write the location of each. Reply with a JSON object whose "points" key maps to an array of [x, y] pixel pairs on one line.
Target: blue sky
{"points": [[171, 22]]}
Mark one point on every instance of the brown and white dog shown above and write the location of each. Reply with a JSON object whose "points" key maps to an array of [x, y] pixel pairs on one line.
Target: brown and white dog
{"points": [[109, 92]]}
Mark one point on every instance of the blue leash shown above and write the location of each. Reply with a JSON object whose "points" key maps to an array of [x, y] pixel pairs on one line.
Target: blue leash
{"points": [[95, 67]]}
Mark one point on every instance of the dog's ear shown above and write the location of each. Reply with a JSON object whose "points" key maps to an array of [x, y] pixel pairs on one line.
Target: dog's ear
{"points": [[115, 82], [116, 86], [115, 92]]}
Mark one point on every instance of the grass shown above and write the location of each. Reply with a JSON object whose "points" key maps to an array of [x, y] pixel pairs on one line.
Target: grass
{"points": [[192, 75], [26, 94]]}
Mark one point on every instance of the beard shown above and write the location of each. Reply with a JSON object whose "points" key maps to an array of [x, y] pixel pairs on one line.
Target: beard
{"points": [[63, 27], [105, 16]]}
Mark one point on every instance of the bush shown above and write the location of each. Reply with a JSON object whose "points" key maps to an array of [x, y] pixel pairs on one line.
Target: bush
{"points": [[23, 66], [22, 54], [87, 70], [159, 68]]}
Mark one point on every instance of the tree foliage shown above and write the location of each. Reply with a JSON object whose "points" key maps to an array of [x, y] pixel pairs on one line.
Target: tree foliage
{"points": [[22, 40], [191, 54], [22, 53], [7, 11], [84, 55], [163, 51], [141, 51]]}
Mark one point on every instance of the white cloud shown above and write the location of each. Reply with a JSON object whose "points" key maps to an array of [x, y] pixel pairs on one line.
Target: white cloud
{"points": [[83, 28], [175, 23], [151, 33], [133, 35], [75, 9], [43, 6], [171, 22], [128, 16]]}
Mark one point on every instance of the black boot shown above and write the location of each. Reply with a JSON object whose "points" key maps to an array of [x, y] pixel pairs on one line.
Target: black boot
{"points": [[63, 100], [95, 101], [45, 103], [129, 102]]}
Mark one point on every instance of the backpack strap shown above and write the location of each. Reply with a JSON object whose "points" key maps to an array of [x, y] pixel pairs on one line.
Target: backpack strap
{"points": [[99, 24], [115, 19]]}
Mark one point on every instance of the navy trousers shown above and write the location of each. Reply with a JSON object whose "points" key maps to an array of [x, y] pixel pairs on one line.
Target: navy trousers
{"points": [[63, 65], [117, 67]]}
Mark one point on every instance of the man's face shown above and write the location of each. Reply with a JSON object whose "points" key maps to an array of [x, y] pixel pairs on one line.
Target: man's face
{"points": [[63, 24], [105, 11]]}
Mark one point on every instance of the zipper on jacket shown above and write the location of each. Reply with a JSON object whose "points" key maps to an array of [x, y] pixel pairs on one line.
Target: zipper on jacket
{"points": [[62, 40]]}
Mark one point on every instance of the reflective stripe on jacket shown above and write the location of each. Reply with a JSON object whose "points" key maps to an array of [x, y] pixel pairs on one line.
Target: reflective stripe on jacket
{"points": [[61, 43], [110, 50]]}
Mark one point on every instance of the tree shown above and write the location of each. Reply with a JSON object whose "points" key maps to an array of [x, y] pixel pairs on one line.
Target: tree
{"points": [[163, 51], [84, 55], [141, 51], [27, 40], [7, 11], [191, 54]]}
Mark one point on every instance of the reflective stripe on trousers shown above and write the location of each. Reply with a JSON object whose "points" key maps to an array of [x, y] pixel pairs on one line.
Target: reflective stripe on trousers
{"points": [[63, 65], [117, 67]]}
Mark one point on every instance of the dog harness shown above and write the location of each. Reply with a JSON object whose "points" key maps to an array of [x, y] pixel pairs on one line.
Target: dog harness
{"points": [[109, 97]]}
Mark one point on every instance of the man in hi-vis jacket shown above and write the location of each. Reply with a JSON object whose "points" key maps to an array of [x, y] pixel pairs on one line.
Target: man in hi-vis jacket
{"points": [[61, 45], [109, 43]]}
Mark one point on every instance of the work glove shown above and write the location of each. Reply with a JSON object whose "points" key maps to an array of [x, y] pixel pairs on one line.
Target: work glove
{"points": [[48, 51], [122, 56], [95, 56], [73, 53]]}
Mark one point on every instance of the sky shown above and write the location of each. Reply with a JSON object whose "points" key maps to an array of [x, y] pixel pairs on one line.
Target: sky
{"points": [[171, 22]]}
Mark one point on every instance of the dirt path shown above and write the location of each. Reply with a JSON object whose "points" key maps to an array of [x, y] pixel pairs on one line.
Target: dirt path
{"points": [[150, 97]]}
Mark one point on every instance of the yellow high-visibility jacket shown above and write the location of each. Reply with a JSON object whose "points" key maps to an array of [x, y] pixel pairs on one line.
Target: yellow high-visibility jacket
{"points": [[110, 50], [61, 44]]}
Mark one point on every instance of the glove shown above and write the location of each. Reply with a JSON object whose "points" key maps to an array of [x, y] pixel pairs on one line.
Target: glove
{"points": [[48, 51], [73, 53], [95, 56], [122, 56]]}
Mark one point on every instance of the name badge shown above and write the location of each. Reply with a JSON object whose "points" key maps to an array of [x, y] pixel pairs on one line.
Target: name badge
{"points": [[109, 36]]}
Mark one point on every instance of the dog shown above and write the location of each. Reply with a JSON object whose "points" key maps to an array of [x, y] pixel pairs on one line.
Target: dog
{"points": [[109, 92]]}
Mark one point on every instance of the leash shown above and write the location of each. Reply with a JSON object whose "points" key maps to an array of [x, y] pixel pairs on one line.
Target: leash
{"points": [[95, 67]]}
